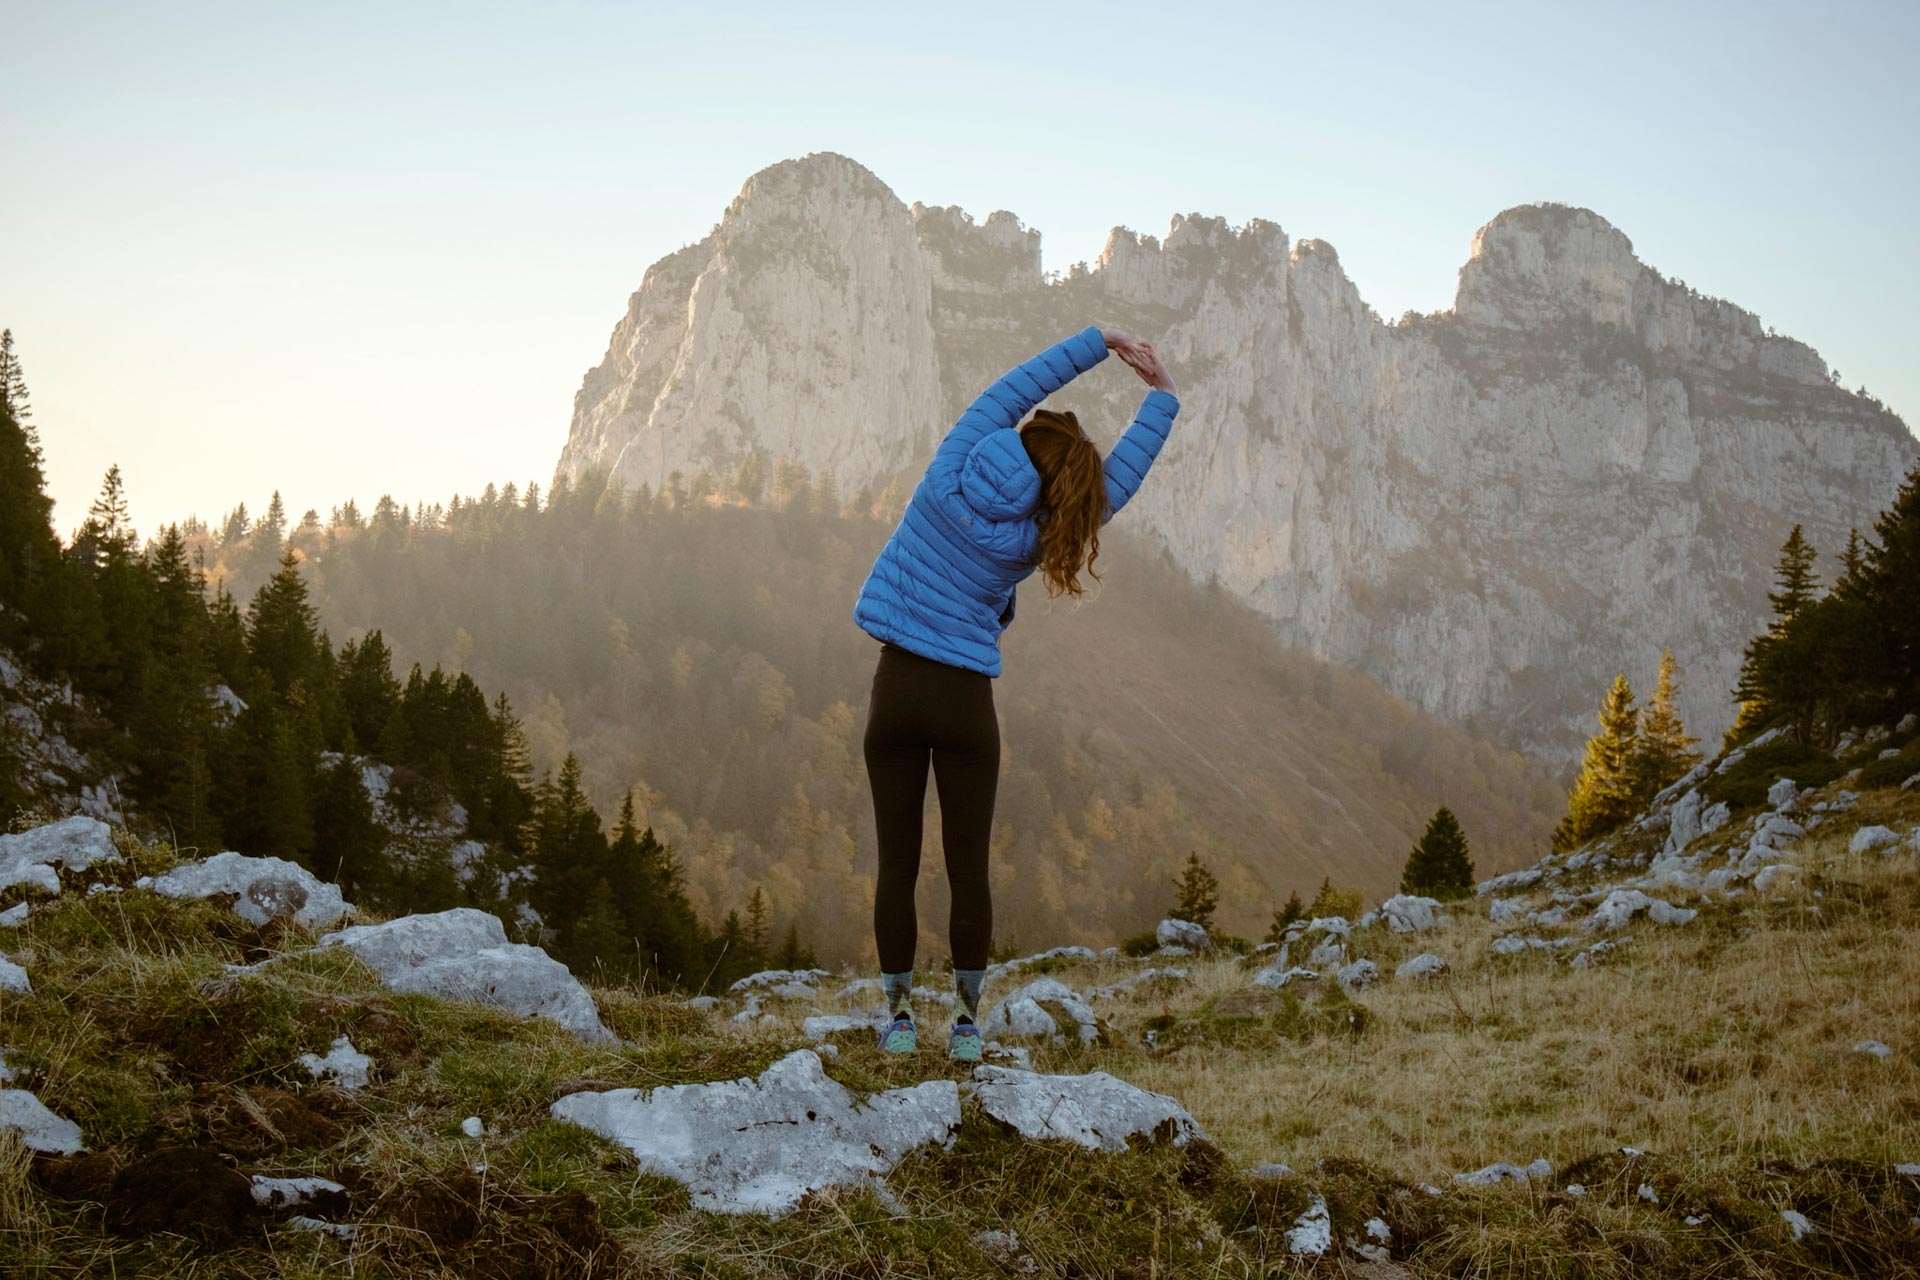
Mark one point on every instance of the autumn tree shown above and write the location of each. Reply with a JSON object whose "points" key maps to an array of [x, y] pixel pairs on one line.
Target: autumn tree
{"points": [[1603, 794]]}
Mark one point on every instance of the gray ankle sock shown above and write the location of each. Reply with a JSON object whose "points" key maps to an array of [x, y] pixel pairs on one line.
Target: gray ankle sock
{"points": [[966, 993], [897, 988]]}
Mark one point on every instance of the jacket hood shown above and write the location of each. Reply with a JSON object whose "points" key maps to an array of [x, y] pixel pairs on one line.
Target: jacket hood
{"points": [[998, 479]]}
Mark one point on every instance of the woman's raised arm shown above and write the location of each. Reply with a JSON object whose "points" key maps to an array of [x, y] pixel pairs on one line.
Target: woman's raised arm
{"points": [[1020, 388]]}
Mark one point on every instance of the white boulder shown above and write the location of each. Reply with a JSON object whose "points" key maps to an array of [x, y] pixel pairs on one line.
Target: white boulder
{"points": [[1331, 952], [1409, 913], [1622, 905], [1501, 1171], [1683, 823], [286, 1193], [1358, 976], [1512, 944], [38, 1128], [1782, 795], [1023, 1012], [772, 980], [348, 1067], [463, 954], [1511, 880], [1877, 1048], [1868, 839], [35, 857], [1424, 965], [14, 916], [1505, 910], [1312, 1232], [1181, 933], [13, 978], [761, 1145], [267, 887], [1095, 1111], [1279, 975]]}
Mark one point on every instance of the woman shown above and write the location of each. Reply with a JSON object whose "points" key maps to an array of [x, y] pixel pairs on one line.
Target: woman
{"points": [[995, 504]]}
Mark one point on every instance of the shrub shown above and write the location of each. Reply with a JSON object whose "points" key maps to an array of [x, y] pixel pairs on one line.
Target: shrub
{"points": [[1745, 785]]}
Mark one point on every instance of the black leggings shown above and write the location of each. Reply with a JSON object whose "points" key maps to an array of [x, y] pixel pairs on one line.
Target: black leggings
{"points": [[922, 712]]}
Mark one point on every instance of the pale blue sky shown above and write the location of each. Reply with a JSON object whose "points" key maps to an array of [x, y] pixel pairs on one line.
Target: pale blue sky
{"points": [[349, 248]]}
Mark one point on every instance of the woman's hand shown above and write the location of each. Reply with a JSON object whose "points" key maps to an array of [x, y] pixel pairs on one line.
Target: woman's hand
{"points": [[1147, 364], [1139, 357]]}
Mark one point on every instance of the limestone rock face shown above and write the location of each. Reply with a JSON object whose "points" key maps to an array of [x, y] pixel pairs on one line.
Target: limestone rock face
{"points": [[1487, 509]]}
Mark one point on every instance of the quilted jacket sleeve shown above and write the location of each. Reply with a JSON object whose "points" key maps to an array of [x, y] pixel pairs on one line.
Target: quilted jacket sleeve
{"points": [[1018, 390], [1131, 456]]}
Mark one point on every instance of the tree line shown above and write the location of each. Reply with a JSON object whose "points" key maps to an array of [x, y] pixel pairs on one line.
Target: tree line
{"points": [[243, 726]]}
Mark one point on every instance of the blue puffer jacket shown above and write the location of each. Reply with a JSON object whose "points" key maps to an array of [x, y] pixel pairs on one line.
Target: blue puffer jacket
{"points": [[943, 585]]}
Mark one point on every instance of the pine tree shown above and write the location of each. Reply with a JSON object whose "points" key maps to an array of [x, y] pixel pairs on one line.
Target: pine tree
{"points": [[1665, 752], [29, 550], [1603, 794], [1286, 915], [281, 629], [1893, 586], [270, 535], [108, 533], [13, 392], [599, 938], [756, 935], [1196, 894], [1439, 865], [792, 956], [345, 832], [1796, 585], [1852, 582]]}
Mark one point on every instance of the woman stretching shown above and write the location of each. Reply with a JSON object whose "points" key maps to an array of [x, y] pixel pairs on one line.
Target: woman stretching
{"points": [[995, 504]]}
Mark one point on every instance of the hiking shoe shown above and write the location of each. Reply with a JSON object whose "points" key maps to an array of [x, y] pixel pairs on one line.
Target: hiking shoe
{"points": [[898, 1036], [963, 1042]]}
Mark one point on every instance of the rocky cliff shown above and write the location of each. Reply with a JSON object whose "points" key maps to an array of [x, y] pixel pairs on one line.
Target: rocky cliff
{"points": [[1489, 509]]}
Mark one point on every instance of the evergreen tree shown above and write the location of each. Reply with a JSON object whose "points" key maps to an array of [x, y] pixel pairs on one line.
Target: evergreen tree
{"points": [[1196, 894], [369, 693], [14, 400], [1439, 865], [270, 535], [1665, 752], [281, 630], [29, 550], [1796, 585], [345, 832], [599, 940], [756, 935], [726, 955], [792, 956], [1893, 585], [108, 534], [1286, 915], [1603, 794], [1852, 582]]}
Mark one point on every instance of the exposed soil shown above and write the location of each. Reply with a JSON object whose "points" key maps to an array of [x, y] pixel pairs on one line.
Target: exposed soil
{"points": [[190, 1190], [490, 1231], [258, 1120]]}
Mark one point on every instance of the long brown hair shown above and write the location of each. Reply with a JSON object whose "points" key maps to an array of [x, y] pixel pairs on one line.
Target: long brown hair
{"points": [[1073, 498]]}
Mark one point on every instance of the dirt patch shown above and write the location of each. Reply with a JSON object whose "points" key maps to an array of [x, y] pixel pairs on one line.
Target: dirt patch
{"points": [[492, 1231], [259, 1119], [189, 1190], [88, 1176]]}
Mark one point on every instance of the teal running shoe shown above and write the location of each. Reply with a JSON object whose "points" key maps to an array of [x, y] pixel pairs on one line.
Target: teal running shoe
{"points": [[898, 1036], [963, 1042]]}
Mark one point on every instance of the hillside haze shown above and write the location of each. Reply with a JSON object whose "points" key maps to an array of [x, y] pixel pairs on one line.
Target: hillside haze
{"points": [[1489, 510]]}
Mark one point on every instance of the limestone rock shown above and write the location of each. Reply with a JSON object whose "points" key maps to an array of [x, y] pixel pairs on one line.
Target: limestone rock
{"points": [[1096, 1110], [1424, 965], [1501, 1171], [1867, 839], [1407, 913], [1312, 1232], [463, 954], [35, 857], [1045, 1008], [346, 1065], [1181, 933], [13, 979], [1279, 975], [1358, 976], [38, 1128], [761, 1145], [267, 888], [1622, 905]]}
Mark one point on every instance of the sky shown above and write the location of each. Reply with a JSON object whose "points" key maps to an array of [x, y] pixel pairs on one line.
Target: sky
{"points": [[351, 249]]}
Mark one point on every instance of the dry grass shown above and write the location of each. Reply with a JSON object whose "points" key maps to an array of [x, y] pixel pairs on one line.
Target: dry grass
{"points": [[1722, 1049]]}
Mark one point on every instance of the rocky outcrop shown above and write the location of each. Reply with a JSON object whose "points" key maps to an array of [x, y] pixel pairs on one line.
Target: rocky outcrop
{"points": [[1489, 509]]}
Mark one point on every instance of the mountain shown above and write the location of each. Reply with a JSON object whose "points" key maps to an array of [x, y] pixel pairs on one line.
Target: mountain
{"points": [[1490, 510]]}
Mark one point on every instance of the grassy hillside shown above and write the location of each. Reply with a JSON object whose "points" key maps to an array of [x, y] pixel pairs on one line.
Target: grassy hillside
{"points": [[705, 656], [1698, 1083]]}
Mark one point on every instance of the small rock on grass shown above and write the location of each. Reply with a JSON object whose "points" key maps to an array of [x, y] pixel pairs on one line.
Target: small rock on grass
{"points": [[1868, 839], [1096, 1111], [346, 1064], [1874, 1047], [1312, 1232], [14, 979], [1502, 1171], [38, 1128]]}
